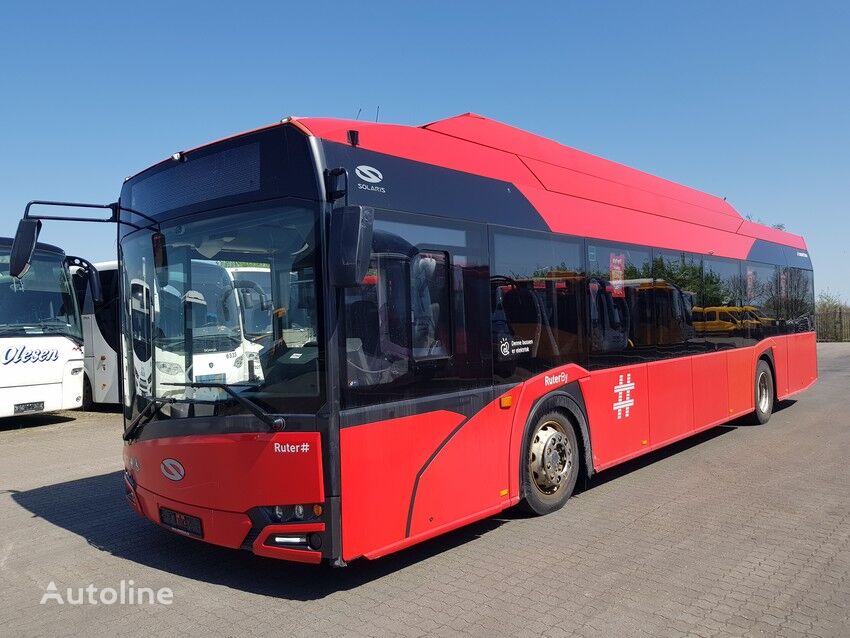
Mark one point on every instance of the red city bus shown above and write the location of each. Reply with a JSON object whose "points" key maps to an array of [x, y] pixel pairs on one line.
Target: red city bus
{"points": [[429, 325]]}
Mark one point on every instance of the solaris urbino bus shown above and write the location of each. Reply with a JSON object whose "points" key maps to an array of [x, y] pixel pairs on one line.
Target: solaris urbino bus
{"points": [[461, 317]]}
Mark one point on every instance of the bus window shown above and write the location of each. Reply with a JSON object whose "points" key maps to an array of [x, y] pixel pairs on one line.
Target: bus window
{"points": [[762, 300], [722, 289], [799, 300], [429, 294], [376, 333], [624, 282], [416, 324], [677, 282], [536, 291]]}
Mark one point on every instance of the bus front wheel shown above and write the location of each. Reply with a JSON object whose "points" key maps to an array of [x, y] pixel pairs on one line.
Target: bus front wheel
{"points": [[550, 464]]}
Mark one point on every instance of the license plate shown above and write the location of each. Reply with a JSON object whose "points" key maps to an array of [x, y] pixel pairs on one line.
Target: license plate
{"points": [[183, 522], [22, 408], [211, 378]]}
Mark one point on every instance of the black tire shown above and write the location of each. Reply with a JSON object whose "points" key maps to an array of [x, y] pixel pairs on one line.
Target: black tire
{"points": [[546, 488], [763, 394], [88, 403]]}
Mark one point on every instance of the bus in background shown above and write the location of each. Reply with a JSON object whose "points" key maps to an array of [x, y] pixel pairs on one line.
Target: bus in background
{"points": [[101, 335], [459, 318], [253, 286], [41, 343], [204, 298]]}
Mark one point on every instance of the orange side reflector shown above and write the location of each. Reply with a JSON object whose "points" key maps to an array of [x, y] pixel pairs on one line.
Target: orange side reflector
{"points": [[503, 493], [506, 402], [644, 442]]}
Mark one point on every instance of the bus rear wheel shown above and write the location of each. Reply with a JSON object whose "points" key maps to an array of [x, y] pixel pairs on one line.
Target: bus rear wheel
{"points": [[550, 464], [764, 396]]}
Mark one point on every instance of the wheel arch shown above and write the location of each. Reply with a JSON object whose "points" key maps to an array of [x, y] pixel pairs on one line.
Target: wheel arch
{"points": [[568, 400], [766, 355]]}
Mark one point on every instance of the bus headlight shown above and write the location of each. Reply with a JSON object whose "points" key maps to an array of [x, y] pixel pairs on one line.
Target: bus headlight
{"points": [[169, 368]]}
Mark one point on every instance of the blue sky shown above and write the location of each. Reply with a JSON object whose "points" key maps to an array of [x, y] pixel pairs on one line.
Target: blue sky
{"points": [[745, 100]]}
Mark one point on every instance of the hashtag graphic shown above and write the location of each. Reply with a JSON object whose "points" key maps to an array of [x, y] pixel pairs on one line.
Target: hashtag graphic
{"points": [[305, 447], [624, 401]]}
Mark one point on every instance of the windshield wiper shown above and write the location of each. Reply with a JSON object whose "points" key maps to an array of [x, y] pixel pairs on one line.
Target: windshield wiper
{"points": [[140, 421], [275, 423]]}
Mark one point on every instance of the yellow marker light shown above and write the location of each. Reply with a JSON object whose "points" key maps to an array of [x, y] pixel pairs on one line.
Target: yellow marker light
{"points": [[317, 510], [506, 402], [503, 493], [644, 442]]}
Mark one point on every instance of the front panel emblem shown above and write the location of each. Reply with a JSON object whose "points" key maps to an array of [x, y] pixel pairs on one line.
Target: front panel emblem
{"points": [[369, 174], [172, 470]]}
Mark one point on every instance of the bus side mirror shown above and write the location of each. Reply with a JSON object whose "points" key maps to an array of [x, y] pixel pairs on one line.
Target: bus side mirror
{"points": [[23, 246], [245, 288], [350, 244]]}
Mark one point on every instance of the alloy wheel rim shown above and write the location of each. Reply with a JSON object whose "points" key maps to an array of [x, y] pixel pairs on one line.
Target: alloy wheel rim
{"points": [[550, 457], [763, 393]]}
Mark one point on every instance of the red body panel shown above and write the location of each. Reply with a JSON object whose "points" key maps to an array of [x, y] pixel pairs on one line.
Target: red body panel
{"points": [[671, 400], [617, 433], [599, 189], [803, 364], [575, 192], [220, 528], [479, 452], [740, 373], [378, 463], [487, 132], [232, 472], [711, 388], [603, 221], [783, 365]]}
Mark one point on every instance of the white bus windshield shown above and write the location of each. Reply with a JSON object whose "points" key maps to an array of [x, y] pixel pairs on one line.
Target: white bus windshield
{"points": [[41, 302]]}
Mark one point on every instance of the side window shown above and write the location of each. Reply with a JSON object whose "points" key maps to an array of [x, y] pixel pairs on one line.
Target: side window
{"points": [[536, 297], [677, 283], [430, 311], [416, 325], [621, 286], [760, 312], [799, 300], [723, 290], [376, 333]]}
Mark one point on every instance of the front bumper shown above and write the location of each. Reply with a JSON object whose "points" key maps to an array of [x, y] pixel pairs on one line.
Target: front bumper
{"points": [[234, 529]]}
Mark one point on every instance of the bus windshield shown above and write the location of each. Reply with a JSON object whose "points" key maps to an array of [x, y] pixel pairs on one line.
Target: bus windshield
{"points": [[194, 323], [41, 302]]}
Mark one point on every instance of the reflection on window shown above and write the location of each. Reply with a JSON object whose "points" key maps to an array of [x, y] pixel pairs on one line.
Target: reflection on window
{"points": [[429, 294], [377, 324], [536, 289], [235, 303], [760, 313], [721, 298], [799, 300], [621, 297]]}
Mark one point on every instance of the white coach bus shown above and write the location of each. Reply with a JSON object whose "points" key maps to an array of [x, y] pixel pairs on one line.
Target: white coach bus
{"points": [[101, 335], [41, 341]]}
